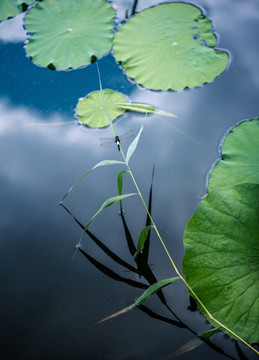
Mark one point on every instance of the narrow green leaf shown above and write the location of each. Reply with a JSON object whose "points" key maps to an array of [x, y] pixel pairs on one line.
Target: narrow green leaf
{"points": [[110, 202], [133, 145], [120, 180], [106, 204], [207, 334], [119, 184], [144, 108], [142, 238], [154, 289], [101, 163], [149, 292]]}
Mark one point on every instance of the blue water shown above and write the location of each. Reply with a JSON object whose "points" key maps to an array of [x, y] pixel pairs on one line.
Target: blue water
{"points": [[50, 301]]}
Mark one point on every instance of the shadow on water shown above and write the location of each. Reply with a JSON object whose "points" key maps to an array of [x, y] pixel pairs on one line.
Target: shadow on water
{"points": [[143, 269]]}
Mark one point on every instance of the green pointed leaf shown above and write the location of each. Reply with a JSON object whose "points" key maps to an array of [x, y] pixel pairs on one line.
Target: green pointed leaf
{"points": [[133, 145], [68, 34], [113, 200], [91, 111], [10, 8], [163, 47], [106, 204], [142, 238], [101, 163], [119, 185], [207, 334], [154, 289], [221, 261], [120, 181], [240, 157], [145, 109]]}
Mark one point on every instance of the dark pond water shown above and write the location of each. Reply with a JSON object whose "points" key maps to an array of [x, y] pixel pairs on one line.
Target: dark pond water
{"points": [[50, 301]]}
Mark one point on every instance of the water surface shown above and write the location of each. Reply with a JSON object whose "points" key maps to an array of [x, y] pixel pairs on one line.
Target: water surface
{"points": [[50, 301]]}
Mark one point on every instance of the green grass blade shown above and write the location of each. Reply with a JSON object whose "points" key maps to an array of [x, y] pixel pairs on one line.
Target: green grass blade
{"points": [[101, 163], [133, 145], [120, 180], [149, 292], [119, 184], [154, 289], [207, 334], [106, 204], [142, 238], [144, 109]]}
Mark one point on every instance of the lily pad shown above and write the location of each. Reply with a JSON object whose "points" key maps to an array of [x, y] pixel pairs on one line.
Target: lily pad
{"points": [[68, 34], [221, 261], [91, 112], [169, 46], [10, 8], [240, 157]]}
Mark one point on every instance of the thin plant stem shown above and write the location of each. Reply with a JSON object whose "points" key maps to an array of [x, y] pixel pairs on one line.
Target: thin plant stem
{"points": [[160, 238], [174, 266]]}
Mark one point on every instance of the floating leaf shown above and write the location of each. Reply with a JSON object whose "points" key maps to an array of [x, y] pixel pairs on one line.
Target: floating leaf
{"points": [[169, 46], [133, 145], [240, 157], [10, 8], [221, 261], [145, 109], [101, 163], [142, 238], [91, 111], [68, 34]]}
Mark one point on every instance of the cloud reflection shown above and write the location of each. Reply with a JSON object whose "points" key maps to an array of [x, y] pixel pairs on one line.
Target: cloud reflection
{"points": [[56, 126], [12, 30], [35, 148]]}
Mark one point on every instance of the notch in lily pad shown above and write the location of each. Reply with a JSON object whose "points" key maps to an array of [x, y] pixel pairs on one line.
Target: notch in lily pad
{"points": [[11, 8], [169, 46]]}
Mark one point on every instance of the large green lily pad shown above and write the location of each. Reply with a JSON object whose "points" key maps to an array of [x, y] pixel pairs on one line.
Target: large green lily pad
{"points": [[240, 157], [91, 112], [10, 8], [68, 34], [169, 46], [221, 261]]}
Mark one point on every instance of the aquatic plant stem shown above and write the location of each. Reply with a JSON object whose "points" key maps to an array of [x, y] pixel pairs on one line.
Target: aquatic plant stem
{"points": [[105, 108], [173, 264], [159, 236]]}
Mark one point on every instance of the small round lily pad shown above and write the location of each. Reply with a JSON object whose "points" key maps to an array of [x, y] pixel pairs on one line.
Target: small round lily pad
{"points": [[169, 46], [67, 34], [91, 111]]}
